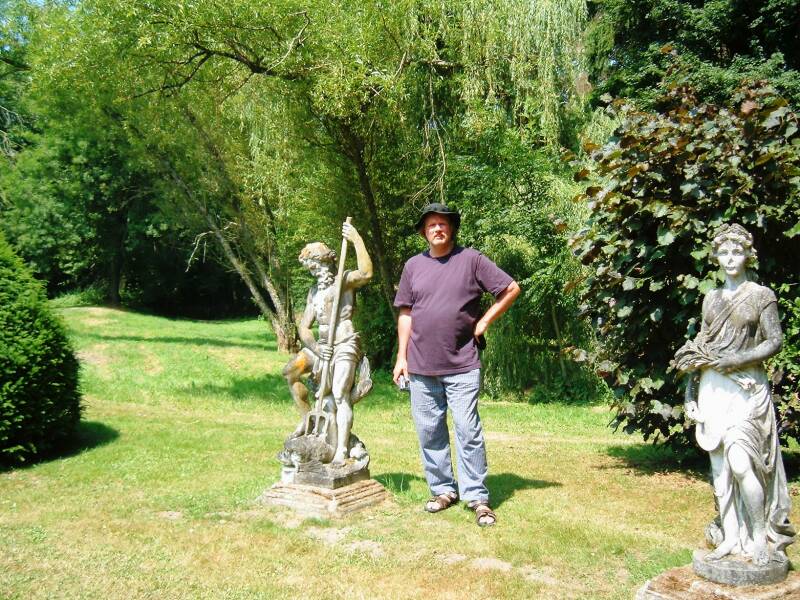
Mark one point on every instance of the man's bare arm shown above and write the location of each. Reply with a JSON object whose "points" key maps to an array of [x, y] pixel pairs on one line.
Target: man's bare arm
{"points": [[504, 300], [403, 336]]}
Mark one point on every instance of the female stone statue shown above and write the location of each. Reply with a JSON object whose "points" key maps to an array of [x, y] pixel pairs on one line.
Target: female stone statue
{"points": [[729, 397]]}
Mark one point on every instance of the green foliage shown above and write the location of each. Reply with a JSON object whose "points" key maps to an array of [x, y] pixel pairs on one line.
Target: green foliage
{"points": [[88, 296], [631, 43], [39, 398], [81, 206], [666, 181], [376, 324], [318, 114], [15, 24], [509, 197], [786, 364], [63, 204], [259, 128]]}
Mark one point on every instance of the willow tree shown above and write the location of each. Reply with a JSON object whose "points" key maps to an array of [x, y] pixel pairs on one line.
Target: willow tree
{"points": [[316, 112]]}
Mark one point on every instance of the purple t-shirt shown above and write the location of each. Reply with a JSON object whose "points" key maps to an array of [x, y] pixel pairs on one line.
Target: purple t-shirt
{"points": [[444, 296]]}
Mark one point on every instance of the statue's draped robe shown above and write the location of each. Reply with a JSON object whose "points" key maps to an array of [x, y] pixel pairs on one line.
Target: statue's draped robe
{"points": [[741, 404]]}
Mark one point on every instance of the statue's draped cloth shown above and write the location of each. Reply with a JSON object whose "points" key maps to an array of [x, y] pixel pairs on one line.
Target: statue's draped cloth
{"points": [[741, 402]]}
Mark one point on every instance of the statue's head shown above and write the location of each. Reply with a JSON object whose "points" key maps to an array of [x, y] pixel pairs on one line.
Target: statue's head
{"points": [[734, 234], [317, 255]]}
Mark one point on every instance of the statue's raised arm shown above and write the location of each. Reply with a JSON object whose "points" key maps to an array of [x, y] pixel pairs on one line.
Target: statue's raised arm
{"points": [[363, 275]]}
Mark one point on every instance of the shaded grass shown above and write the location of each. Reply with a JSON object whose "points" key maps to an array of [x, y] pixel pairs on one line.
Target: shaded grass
{"points": [[183, 420]]}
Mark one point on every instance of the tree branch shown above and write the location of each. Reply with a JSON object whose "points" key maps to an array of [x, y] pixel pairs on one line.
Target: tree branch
{"points": [[18, 65]]}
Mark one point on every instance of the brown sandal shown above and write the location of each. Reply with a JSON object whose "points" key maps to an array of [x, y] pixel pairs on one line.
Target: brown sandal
{"points": [[484, 515], [441, 502]]}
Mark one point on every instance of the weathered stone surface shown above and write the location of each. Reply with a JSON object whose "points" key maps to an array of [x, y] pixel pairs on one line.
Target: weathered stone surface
{"points": [[334, 366], [728, 396], [327, 480], [682, 583], [323, 502], [327, 475], [738, 571]]}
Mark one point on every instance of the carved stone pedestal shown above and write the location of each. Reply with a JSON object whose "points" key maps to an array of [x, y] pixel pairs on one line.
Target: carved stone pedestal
{"points": [[682, 583], [327, 480], [326, 503]]}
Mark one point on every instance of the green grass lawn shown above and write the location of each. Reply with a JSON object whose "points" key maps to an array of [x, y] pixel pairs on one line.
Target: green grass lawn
{"points": [[182, 423]]}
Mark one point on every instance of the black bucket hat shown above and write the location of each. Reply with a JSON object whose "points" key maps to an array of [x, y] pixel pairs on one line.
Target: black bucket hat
{"points": [[439, 209]]}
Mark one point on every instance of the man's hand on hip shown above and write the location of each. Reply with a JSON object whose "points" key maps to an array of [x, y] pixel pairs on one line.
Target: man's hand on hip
{"points": [[480, 328]]}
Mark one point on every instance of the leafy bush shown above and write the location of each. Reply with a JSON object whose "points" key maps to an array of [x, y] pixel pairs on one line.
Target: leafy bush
{"points": [[668, 180], [786, 364], [39, 399], [719, 44], [92, 295]]}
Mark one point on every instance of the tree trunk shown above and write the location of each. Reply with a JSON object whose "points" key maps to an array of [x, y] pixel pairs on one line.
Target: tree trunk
{"points": [[119, 232], [558, 341], [282, 321], [286, 330], [355, 152], [227, 250]]}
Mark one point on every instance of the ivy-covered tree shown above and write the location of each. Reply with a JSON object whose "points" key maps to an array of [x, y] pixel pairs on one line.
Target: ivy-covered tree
{"points": [[664, 182]]}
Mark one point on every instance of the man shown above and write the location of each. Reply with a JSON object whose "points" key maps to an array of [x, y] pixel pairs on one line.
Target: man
{"points": [[439, 329], [346, 352]]}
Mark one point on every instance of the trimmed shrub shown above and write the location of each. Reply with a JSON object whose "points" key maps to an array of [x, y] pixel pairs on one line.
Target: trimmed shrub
{"points": [[39, 397], [668, 179]]}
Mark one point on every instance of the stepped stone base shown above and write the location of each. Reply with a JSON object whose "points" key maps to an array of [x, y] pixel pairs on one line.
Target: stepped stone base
{"points": [[682, 583], [325, 503]]}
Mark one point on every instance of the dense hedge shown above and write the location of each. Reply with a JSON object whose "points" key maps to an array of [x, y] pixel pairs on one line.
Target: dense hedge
{"points": [[39, 398], [666, 180]]}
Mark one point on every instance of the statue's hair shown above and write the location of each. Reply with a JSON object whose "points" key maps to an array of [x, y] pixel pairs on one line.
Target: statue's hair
{"points": [[733, 232], [318, 251]]}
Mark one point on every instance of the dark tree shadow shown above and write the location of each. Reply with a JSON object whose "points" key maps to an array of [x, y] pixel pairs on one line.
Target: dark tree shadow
{"points": [[648, 459], [267, 346], [791, 462], [503, 486], [88, 435], [268, 386]]}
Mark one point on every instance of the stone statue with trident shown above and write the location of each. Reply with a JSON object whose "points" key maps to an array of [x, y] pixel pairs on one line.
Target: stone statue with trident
{"points": [[332, 360]]}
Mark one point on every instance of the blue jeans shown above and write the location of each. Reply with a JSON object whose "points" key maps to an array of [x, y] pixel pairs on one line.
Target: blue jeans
{"points": [[430, 398]]}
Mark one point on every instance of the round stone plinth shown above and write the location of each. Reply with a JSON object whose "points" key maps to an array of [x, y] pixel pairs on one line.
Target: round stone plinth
{"points": [[682, 583], [736, 571]]}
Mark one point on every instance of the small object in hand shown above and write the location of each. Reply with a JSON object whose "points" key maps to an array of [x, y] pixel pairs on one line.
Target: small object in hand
{"points": [[481, 342], [403, 384]]}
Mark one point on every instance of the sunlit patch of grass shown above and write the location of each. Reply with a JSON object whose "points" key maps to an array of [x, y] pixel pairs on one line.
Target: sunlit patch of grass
{"points": [[183, 419]]}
